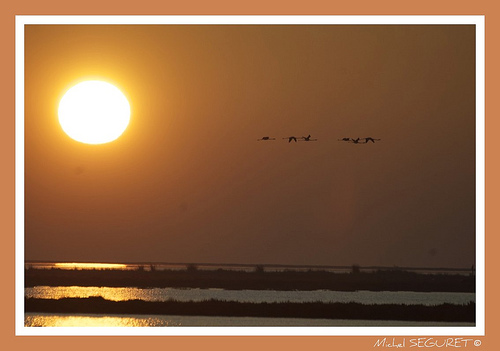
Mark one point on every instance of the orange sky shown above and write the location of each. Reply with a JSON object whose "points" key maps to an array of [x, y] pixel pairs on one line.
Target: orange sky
{"points": [[188, 182]]}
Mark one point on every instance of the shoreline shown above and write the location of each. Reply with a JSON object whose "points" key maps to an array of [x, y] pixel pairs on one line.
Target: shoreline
{"points": [[312, 310], [258, 280]]}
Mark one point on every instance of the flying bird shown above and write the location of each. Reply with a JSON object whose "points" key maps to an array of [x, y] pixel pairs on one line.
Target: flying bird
{"points": [[307, 138], [266, 138], [351, 140], [291, 138], [359, 140], [370, 139]]}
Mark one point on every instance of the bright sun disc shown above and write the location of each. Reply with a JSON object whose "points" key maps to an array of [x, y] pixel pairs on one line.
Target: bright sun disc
{"points": [[94, 112]]}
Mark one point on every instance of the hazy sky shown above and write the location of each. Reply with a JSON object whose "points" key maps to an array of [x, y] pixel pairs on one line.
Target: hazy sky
{"points": [[189, 182]]}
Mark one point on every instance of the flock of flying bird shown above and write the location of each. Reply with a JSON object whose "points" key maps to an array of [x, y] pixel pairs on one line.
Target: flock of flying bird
{"points": [[308, 138]]}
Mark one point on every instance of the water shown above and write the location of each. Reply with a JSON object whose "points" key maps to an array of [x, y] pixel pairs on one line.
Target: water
{"points": [[93, 320], [255, 296]]}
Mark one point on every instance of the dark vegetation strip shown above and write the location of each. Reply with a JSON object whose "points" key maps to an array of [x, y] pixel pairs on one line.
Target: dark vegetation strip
{"points": [[238, 280], [98, 305]]}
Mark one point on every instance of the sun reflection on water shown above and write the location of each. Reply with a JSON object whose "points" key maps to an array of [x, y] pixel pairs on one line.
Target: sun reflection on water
{"points": [[79, 265], [48, 320], [62, 320], [108, 293]]}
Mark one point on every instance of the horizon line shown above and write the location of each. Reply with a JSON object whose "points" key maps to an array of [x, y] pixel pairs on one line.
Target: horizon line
{"points": [[274, 265]]}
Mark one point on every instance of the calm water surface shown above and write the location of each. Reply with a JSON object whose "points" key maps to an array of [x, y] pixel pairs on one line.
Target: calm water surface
{"points": [[256, 296], [93, 320]]}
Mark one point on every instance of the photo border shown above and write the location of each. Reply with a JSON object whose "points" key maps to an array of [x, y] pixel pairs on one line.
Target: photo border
{"points": [[478, 21]]}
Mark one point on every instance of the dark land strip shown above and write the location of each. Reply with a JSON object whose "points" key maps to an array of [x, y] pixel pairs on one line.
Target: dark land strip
{"points": [[98, 305], [396, 280]]}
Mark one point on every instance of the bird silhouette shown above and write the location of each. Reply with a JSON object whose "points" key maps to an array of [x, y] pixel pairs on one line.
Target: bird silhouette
{"points": [[355, 141], [359, 140], [307, 138], [291, 138], [266, 138], [370, 139]]}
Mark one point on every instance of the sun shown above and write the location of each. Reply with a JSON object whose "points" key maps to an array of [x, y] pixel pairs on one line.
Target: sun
{"points": [[94, 112]]}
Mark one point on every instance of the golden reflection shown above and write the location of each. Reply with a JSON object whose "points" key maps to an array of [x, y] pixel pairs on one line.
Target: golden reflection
{"points": [[75, 265], [82, 292], [41, 320], [59, 320]]}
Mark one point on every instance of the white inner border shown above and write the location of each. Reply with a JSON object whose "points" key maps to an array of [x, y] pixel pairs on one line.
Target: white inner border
{"points": [[478, 330]]}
